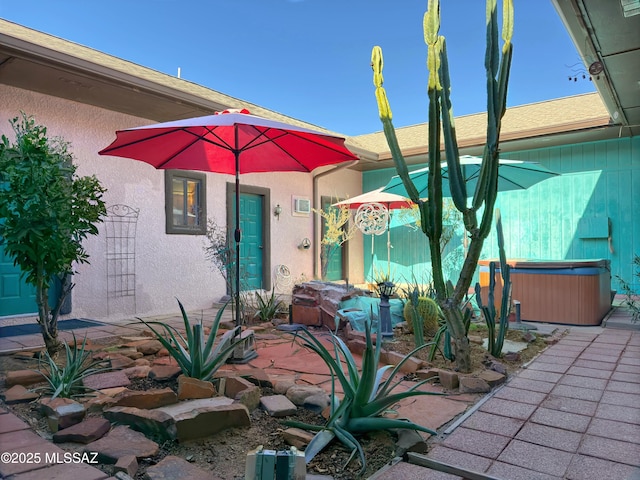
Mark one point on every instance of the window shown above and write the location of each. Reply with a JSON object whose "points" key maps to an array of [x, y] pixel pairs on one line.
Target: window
{"points": [[185, 202]]}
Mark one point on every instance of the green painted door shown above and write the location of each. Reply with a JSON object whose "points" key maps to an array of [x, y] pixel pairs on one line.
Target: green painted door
{"points": [[252, 241], [16, 296], [335, 267]]}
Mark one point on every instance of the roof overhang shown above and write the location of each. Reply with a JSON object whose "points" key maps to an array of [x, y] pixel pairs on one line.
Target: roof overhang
{"points": [[607, 36]]}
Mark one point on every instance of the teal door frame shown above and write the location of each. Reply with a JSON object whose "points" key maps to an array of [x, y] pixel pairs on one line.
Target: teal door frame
{"points": [[265, 193]]}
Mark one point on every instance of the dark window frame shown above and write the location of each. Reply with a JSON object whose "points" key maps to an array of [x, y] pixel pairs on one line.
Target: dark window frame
{"points": [[185, 175]]}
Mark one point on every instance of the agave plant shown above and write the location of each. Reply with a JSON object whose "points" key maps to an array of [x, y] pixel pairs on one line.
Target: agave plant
{"points": [[368, 394], [268, 306], [67, 381], [198, 356]]}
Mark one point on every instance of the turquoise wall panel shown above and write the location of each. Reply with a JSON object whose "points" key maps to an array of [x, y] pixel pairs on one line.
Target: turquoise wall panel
{"points": [[600, 180]]}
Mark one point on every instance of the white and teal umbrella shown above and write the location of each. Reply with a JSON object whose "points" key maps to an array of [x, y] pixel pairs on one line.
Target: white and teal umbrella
{"points": [[512, 175]]}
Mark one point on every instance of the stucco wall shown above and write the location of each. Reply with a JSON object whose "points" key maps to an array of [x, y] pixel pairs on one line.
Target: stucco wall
{"points": [[166, 266]]}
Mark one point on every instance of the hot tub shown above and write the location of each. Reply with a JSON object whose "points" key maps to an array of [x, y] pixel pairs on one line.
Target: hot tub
{"points": [[572, 292]]}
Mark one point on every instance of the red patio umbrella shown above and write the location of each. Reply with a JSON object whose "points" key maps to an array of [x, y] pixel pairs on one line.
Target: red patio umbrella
{"points": [[232, 142]]}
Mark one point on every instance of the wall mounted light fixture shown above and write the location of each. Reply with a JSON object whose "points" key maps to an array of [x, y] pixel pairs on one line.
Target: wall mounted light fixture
{"points": [[305, 244], [277, 211]]}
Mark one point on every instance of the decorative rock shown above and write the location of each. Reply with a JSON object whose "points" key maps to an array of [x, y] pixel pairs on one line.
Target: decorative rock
{"points": [[24, 355], [127, 464], [146, 399], [133, 341], [149, 347], [498, 367], [164, 373], [172, 467], [278, 405], [142, 362], [137, 371], [153, 422], [492, 378], [409, 441], [190, 388], [477, 339], [234, 385], [119, 361], [85, 432], [120, 350], [282, 386], [511, 356], [62, 413], [412, 365], [201, 418], [249, 397], [448, 379], [299, 393], [473, 385], [425, 373], [100, 381], [297, 437], [164, 359], [356, 345], [258, 377], [98, 403], [121, 442], [528, 337], [317, 403], [19, 394], [23, 377]]}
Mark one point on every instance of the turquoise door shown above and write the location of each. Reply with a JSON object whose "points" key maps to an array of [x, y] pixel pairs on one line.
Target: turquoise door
{"points": [[16, 296], [335, 267], [252, 241]]}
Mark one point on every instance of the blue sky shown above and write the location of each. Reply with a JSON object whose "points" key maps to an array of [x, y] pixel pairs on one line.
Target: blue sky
{"points": [[310, 59]]}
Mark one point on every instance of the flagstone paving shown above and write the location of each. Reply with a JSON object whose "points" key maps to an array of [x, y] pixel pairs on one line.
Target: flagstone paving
{"points": [[573, 413]]}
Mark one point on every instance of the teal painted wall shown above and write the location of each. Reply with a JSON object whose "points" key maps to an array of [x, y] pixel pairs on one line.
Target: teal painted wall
{"points": [[561, 218]]}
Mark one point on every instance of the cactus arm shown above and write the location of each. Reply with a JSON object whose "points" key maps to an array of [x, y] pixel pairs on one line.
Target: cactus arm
{"points": [[384, 111], [434, 43], [457, 182]]}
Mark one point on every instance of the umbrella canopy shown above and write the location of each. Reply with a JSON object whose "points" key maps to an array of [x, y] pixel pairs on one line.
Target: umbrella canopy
{"points": [[373, 214], [389, 200], [232, 142], [512, 175]]}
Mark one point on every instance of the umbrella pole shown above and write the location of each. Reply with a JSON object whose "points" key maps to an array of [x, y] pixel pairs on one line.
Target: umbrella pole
{"points": [[237, 236], [246, 351]]}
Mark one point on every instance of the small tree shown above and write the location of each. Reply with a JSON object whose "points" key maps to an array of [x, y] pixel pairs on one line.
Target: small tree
{"points": [[46, 211]]}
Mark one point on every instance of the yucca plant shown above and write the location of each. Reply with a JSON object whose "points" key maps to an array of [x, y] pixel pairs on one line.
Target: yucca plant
{"points": [[198, 356], [67, 381], [368, 393]]}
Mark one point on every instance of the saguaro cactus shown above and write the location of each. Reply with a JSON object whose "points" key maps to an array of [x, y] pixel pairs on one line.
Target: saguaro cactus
{"points": [[497, 65]]}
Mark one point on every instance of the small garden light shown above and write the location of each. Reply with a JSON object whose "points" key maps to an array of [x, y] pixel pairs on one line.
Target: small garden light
{"points": [[386, 290]]}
